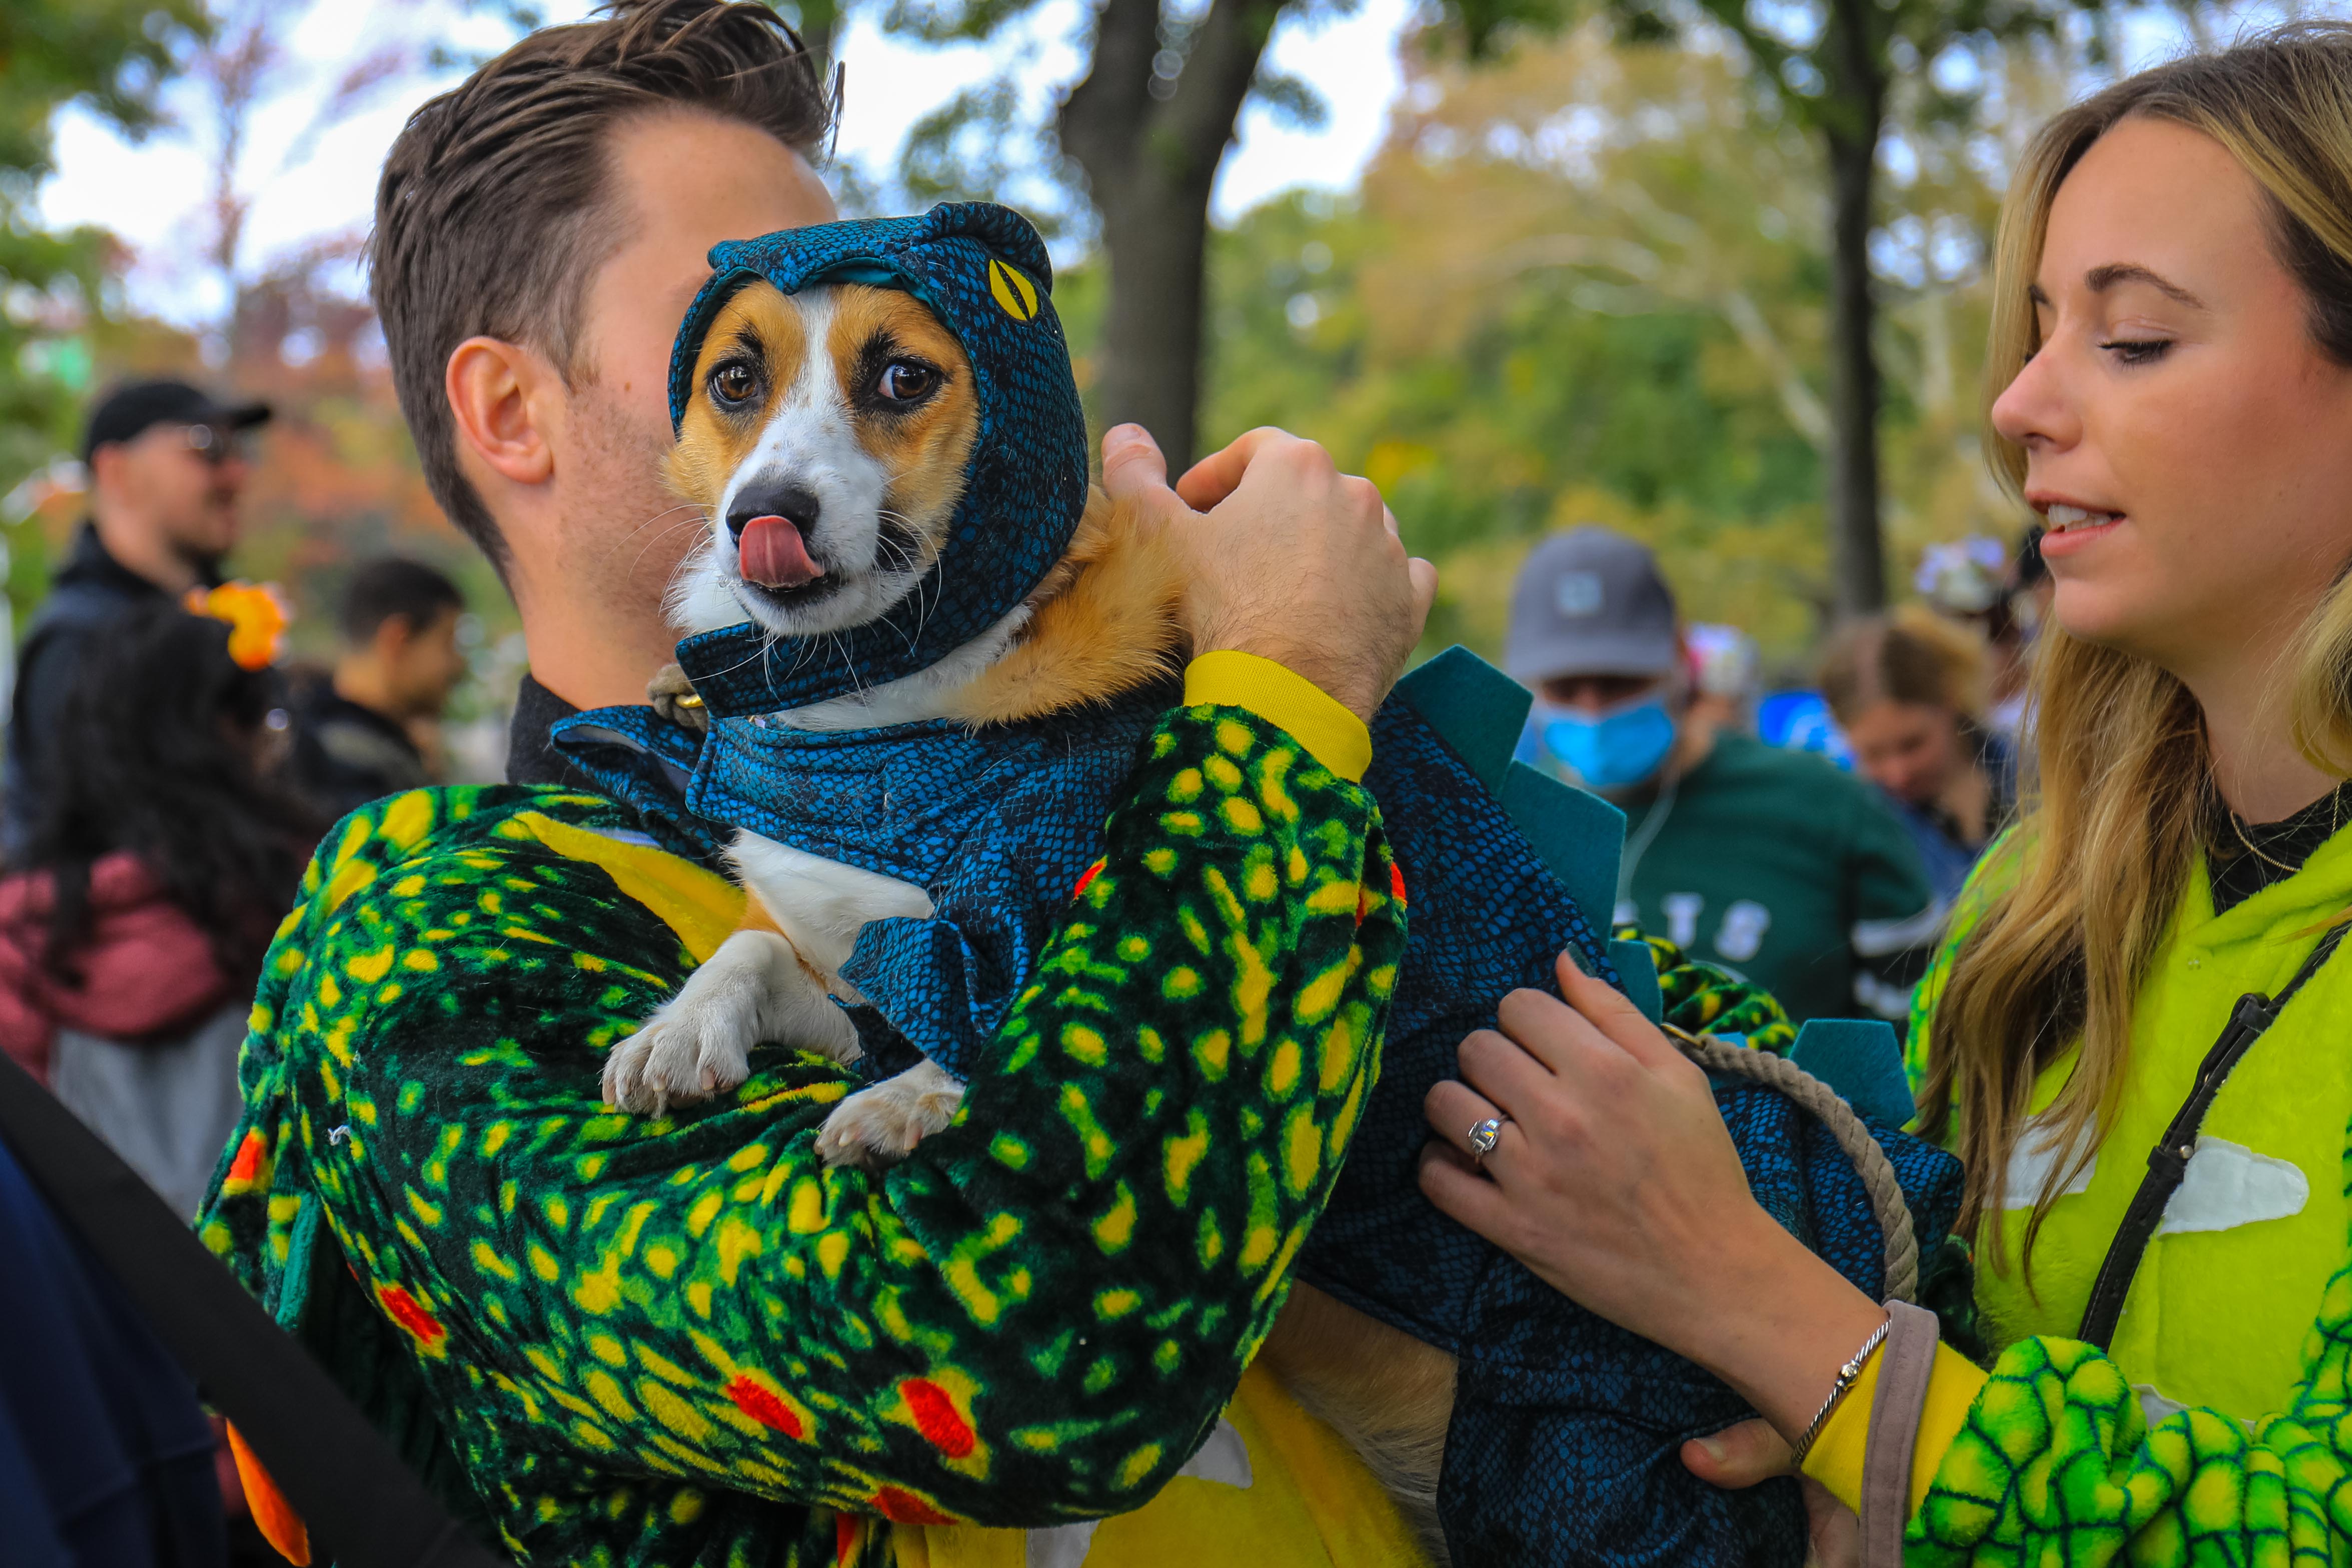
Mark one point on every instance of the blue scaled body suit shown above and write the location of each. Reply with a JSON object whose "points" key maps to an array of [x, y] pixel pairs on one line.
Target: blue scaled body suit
{"points": [[1564, 1438]]}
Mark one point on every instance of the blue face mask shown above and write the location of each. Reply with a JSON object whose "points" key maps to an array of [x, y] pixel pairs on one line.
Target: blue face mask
{"points": [[1616, 750]]}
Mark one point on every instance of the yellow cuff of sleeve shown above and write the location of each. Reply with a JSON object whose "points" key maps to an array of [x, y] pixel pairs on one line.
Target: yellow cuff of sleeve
{"points": [[1837, 1454], [1315, 718]]}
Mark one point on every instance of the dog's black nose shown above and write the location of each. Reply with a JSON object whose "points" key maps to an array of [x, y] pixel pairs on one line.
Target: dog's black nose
{"points": [[793, 503]]}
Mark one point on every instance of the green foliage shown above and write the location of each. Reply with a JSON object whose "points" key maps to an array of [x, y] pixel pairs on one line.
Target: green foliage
{"points": [[951, 21], [1582, 283], [110, 55]]}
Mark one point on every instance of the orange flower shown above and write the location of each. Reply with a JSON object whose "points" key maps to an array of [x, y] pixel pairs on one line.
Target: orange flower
{"points": [[256, 616]]}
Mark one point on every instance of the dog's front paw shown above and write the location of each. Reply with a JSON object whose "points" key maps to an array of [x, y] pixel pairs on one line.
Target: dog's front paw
{"points": [[673, 697], [694, 1047], [881, 1125]]}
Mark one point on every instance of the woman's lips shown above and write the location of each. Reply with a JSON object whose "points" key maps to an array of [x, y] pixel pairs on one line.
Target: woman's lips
{"points": [[2065, 517], [2073, 527]]}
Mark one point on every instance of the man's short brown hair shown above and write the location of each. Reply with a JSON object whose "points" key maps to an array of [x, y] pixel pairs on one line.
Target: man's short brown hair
{"points": [[493, 212]]}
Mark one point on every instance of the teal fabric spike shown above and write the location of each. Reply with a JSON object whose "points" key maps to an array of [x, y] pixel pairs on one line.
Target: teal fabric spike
{"points": [[1637, 967], [1578, 835], [1860, 1059], [1479, 712], [1477, 709]]}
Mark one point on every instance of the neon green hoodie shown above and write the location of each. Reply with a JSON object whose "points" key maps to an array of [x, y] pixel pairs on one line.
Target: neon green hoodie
{"points": [[2218, 1428]]}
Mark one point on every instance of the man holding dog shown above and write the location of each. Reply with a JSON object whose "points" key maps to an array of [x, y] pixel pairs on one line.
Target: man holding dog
{"points": [[649, 1340]]}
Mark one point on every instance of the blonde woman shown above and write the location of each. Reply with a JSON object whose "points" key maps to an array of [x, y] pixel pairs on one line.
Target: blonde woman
{"points": [[1908, 691], [2174, 346]]}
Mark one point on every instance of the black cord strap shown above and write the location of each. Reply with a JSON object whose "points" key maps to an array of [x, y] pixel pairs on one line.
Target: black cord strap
{"points": [[352, 1491], [2167, 1163]]}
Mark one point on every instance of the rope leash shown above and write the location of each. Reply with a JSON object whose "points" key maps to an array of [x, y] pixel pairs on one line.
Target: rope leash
{"points": [[1870, 1161]]}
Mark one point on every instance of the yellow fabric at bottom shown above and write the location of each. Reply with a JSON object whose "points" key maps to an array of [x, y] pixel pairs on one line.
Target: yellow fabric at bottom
{"points": [[1278, 694], [1837, 1454], [701, 906], [1309, 1502]]}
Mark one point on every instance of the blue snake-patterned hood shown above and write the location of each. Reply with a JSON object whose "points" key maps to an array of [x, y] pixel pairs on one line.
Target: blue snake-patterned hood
{"points": [[983, 271]]}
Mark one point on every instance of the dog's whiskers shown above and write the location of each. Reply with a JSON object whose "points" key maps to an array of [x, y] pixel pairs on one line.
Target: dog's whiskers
{"points": [[649, 522], [696, 523]]}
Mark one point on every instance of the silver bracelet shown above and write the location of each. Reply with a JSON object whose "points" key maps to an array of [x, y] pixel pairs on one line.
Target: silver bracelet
{"points": [[1838, 1390]]}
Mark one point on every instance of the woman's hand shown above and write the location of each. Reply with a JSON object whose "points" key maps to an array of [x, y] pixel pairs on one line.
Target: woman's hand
{"points": [[1616, 1182], [1751, 1453]]}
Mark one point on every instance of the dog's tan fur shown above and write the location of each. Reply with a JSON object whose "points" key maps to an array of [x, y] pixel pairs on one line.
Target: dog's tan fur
{"points": [[1105, 621], [712, 445], [1385, 1392]]}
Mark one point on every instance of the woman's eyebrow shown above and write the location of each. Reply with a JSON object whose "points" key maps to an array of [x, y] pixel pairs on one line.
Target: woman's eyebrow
{"points": [[2102, 279]]}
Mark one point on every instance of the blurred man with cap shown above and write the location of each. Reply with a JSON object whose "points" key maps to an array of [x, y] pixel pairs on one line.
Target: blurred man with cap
{"points": [[166, 466], [1771, 864]]}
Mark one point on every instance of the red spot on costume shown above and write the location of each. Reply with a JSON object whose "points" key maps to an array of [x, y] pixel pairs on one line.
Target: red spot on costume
{"points": [[763, 1406], [1396, 891], [906, 1508], [935, 1419], [1087, 879], [409, 1313], [248, 1163]]}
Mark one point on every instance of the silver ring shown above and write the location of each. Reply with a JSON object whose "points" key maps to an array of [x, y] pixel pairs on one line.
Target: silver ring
{"points": [[1482, 1136]]}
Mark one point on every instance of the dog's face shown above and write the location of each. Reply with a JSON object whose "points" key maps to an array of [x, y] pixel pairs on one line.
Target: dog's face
{"points": [[825, 441]]}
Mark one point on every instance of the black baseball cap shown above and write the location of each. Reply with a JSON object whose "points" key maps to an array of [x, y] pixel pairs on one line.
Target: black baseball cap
{"points": [[132, 409]]}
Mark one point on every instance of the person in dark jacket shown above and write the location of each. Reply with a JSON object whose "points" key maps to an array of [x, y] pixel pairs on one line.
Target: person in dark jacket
{"points": [[166, 468], [134, 915], [356, 728], [1767, 863]]}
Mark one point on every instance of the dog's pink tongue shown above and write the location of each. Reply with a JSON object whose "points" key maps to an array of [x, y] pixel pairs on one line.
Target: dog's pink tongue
{"points": [[771, 554]]}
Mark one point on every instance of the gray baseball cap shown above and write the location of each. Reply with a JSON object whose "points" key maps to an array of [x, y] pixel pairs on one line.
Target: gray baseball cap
{"points": [[1589, 603]]}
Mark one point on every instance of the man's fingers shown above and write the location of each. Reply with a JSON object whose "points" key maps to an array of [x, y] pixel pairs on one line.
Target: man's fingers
{"points": [[1424, 591], [1737, 1457], [1219, 474], [1132, 465]]}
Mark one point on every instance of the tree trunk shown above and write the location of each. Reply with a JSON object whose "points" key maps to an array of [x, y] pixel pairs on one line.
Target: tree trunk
{"points": [[1853, 57], [1156, 240], [1857, 552], [1149, 147]]}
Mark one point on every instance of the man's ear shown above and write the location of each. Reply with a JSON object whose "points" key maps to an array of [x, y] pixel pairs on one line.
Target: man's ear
{"points": [[501, 399], [393, 635], [106, 466]]}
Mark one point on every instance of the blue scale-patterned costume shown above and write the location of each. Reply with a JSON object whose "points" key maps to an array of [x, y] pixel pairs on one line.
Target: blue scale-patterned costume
{"points": [[1563, 1447]]}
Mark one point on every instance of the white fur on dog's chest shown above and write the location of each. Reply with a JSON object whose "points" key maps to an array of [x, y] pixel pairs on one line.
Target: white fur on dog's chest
{"points": [[822, 905]]}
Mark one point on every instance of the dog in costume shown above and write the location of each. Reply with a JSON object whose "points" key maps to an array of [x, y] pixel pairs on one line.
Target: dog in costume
{"points": [[923, 653]]}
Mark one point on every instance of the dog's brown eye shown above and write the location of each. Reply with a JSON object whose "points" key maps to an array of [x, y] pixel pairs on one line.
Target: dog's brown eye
{"points": [[904, 381], [734, 384]]}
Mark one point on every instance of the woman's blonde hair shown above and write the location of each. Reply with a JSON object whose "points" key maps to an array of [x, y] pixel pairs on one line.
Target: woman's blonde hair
{"points": [[1914, 656], [2114, 806]]}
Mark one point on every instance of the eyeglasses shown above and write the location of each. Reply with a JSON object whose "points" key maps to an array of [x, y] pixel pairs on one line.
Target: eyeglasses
{"points": [[215, 444]]}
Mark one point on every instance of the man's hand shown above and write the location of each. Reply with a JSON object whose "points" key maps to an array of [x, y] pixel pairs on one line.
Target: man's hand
{"points": [[1288, 558]]}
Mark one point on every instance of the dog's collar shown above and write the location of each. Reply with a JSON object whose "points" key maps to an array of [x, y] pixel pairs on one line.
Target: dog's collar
{"points": [[983, 271]]}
